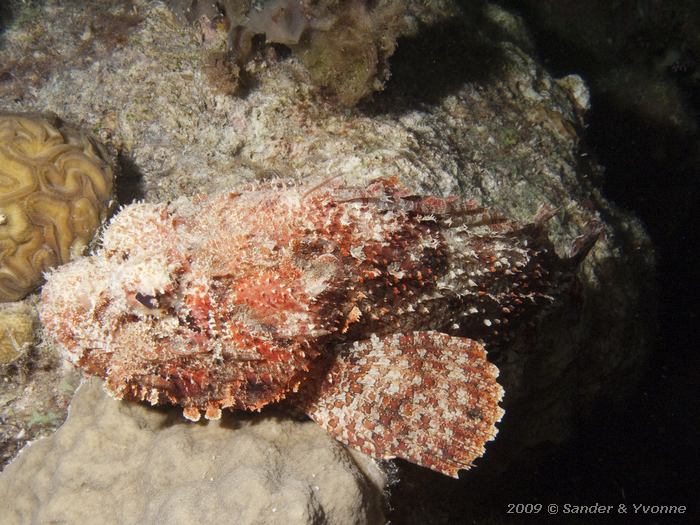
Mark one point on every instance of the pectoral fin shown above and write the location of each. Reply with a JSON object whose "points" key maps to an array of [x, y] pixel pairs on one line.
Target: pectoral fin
{"points": [[427, 397]]}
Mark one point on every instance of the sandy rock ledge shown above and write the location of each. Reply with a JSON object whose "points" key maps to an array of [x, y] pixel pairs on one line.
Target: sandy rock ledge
{"points": [[116, 462]]}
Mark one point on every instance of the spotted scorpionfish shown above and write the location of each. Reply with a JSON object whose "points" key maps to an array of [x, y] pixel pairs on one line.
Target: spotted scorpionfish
{"points": [[346, 301]]}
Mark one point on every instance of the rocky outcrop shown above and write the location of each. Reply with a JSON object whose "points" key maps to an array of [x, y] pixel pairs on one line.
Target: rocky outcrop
{"points": [[122, 463]]}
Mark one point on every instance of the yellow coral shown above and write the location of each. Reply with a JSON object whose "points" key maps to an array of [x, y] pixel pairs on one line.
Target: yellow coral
{"points": [[55, 191], [16, 330]]}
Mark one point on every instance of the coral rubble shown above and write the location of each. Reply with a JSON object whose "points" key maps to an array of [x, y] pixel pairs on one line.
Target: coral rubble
{"points": [[240, 299], [344, 45], [55, 191], [16, 330]]}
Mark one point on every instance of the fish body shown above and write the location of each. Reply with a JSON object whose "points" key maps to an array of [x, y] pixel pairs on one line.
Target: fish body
{"points": [[365, 306]]}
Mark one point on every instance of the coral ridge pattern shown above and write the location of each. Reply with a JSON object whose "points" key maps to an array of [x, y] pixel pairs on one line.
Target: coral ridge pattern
{"points": [[351, 302], [55, 192]]}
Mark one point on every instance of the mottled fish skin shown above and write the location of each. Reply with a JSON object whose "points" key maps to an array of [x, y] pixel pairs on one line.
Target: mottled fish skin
{"points": [[242, 299], [426, 397]]}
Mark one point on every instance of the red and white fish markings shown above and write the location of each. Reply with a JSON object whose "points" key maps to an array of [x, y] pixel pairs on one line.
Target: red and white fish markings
{"points": [[338, 298]]}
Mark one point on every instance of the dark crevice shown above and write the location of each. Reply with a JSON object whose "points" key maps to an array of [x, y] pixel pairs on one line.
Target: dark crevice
{"points": [[129, 182], [434, 63]]}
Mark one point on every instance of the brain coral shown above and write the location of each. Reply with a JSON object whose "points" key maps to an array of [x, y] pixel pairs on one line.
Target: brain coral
{"points": [[55, 191]]}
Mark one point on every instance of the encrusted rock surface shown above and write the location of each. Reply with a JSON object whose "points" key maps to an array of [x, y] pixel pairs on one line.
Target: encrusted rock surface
{"points": [[123, 463], [16, 329], [490, 124], [35, 387]]}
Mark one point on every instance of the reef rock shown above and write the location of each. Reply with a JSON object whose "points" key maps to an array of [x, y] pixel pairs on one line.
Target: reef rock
{"points": [[345, 45], [123, 463], [17, 322], [55, 191]]}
